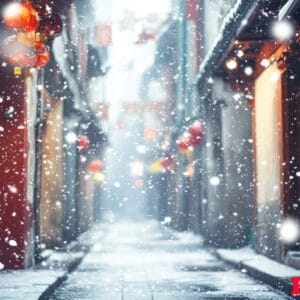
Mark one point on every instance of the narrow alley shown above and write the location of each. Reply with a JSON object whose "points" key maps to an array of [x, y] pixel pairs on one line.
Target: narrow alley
{"points": [[137, 260], [149, 149]]}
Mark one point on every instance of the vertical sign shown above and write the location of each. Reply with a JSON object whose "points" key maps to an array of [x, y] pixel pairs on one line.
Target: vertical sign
{"points": [[103, 35]]}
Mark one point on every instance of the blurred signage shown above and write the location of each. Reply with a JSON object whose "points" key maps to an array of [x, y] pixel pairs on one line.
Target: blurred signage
{"points": [[192, 9], [102, 112], [139, 108], [150, 134], [103, 35]]}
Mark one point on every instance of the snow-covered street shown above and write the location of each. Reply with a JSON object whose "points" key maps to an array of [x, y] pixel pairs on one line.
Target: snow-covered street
{"points": [[144, 260], [149, 149]]}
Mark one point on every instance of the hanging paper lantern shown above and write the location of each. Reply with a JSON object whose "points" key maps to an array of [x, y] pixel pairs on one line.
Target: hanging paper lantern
{"points": [[42, 55], [21, 17], [181, 144], [96, 165], [150, 134], [166, 163], [27, 38], [83, 142], [185, 142], [21, 55], [197, 132]]}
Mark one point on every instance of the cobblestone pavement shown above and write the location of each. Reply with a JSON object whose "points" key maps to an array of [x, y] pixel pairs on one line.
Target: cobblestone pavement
{"points": [[143, 260]]}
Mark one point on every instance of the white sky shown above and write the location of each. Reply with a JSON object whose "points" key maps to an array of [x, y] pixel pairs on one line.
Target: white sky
{"points": [[113, 9], [128, 61], [143, 8]]}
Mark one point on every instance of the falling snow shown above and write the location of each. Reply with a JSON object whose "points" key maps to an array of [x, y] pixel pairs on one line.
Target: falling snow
{"points": [[139, 137]]}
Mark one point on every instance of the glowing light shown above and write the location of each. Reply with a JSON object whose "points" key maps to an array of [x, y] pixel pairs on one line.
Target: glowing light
{"points": [[283, 30], [248, 71], [210, 80], [289, 231], [13, 189], [139, 183], [166, 221], [21, 17], [95, 165], [240, 53], [265, 62], [156, 167], [99, 177], [231, 64], [214, 181], [71, 137], [150, 134], [117, 184], [137, 169], [141, 149], [189, 170], [12, 243]]}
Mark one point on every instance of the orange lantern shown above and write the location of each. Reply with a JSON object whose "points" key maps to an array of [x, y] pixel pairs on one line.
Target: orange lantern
{"points": [[150, 134], [22, 17], [83, 142], [96, 165]]}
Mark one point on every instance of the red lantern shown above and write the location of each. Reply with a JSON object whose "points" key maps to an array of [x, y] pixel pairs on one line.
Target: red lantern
{"points": [[21, 17], [42, 55], [197, 132], [185, 142], [96, 165], [166, 163], [23, 55], [83, 142]]}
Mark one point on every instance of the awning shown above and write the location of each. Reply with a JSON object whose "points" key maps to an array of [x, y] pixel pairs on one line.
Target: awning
{"points": [[232, 25], [248, 20]]}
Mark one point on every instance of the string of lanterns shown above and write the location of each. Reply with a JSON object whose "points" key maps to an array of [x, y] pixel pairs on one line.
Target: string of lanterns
{"points": [[95, 166], [34, 25], [192, 137], [162, 165]]}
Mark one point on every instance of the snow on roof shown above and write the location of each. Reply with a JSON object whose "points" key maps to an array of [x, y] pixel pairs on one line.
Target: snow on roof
{"points": [[228, 32], [248, 257]]}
